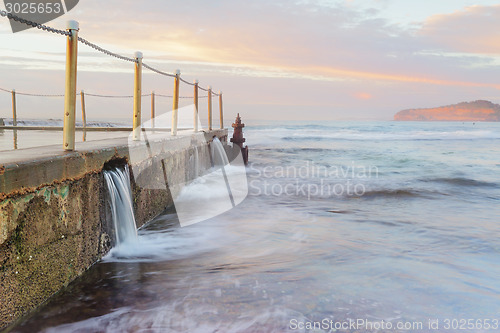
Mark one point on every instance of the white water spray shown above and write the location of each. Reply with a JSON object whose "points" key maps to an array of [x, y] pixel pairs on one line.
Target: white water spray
{"points": [[122, 211], [196, 163], [218, 153]]}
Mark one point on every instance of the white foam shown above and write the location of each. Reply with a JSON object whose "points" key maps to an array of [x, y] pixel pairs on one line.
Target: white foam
{"points": [[170, 244], [177, 316], [268, 137]]}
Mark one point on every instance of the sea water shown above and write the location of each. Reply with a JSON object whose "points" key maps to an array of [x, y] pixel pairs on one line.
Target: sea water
{"points": [[393, 226]]}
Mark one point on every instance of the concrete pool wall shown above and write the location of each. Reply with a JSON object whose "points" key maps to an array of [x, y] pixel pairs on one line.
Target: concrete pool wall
{"points": [[54, 220]]}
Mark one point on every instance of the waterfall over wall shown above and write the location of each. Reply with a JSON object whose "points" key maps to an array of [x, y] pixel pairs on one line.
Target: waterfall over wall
{"points": [[122, 211], [218, 153], [67, 186]]}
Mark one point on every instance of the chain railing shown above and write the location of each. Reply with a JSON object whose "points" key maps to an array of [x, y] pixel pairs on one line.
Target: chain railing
{"points": [[70, 95], [43, 27], [106, 52], [83, 94]]}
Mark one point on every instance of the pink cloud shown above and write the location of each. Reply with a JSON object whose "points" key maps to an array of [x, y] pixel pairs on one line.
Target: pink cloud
{"points": [[475, 29], [290, 54], [363, 95]]}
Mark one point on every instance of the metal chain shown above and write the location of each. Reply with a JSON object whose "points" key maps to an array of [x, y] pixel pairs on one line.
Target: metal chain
{"points": [[185, 97], [111, 96], [100, 49], [192, 84], [64, 33], [180, 78], [186, 82], [213, 93], [94, 95], [157, 71], [43, 27], [38, 95], [28, 94]]}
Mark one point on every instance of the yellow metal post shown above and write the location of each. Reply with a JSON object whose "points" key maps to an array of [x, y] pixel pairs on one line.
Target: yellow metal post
{"points": [[14, 108], [221, 111], [84, 116], [70, 94], [137, 97], [195, 128], [175, 106], [14, 116], [152, 109], [209, 108]]}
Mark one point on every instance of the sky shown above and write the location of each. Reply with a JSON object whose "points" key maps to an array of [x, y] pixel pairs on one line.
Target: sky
{"points": [[273, 60]]}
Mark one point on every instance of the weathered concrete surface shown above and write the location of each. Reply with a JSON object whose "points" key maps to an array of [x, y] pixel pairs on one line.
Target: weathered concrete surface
{"points": [[53, 211], [56, 235]]}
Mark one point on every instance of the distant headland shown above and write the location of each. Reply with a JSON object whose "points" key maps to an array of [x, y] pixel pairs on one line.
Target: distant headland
{"points": [[466, 111]]}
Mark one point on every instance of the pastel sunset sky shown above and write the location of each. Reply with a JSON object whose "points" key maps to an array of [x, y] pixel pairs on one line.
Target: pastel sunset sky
{"points": [[280, 59]]}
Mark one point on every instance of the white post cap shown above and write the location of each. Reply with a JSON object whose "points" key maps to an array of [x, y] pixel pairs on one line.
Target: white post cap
{"points": [[177, 72], [138, 55], [196, 81], [72, 25], [209, 87]]}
